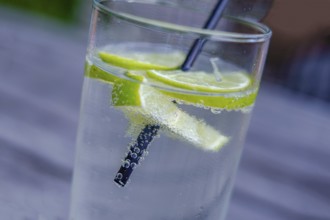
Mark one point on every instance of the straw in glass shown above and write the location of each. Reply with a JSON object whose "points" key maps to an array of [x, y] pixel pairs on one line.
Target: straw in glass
{"points": [[147, 134]]}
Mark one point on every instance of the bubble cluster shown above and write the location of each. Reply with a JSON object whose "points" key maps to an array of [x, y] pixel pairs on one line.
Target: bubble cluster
{"points": [[134, 156]]}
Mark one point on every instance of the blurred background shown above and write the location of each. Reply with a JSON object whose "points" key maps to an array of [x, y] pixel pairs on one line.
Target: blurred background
{"points": [[285, 169]]}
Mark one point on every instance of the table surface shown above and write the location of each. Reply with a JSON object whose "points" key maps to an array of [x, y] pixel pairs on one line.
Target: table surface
{"points": [[284, 172]]}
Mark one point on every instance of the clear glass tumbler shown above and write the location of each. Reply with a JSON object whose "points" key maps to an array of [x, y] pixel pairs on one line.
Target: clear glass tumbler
{"points": [[155, 142]]}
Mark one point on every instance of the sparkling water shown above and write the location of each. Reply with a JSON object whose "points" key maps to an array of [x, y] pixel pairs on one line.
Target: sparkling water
{"points": [[174, 180]]}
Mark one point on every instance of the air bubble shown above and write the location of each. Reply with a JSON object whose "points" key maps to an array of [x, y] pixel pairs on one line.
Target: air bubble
{"points": [[133, 165], [246, 109], [134, 155], [119, 176], [179, 102], [126, 164], [145, 153], [216, 111], [136, 150]]}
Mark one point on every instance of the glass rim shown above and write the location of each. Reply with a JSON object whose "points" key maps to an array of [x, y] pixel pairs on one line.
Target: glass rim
{"points": [[209, 34]]}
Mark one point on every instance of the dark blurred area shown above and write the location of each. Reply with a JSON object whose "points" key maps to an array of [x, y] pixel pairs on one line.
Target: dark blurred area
{"points": [[284, 172], [299, 51]]}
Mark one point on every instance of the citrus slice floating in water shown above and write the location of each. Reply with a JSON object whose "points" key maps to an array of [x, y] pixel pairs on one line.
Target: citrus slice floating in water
{"points": [[201, 81], [143, 61], [231, 92]]}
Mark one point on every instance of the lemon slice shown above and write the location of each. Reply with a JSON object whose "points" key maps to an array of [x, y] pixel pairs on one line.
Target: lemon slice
{"points": [[143, 61], [156, 108]]}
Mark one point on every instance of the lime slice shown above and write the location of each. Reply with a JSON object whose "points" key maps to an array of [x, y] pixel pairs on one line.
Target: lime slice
{"points": [[203, 82], [144, 61], [216, 101], [156, 108], [220, 101], [92, 71], [230, 92]]}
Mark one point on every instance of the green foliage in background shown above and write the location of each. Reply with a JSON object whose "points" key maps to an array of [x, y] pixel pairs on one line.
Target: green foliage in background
{"points": [[61, 9]]}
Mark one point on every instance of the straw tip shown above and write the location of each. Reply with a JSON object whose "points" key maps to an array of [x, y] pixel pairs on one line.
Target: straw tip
{"points": [[120, 182]]}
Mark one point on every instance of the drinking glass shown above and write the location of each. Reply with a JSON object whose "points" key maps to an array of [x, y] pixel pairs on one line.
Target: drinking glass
{"points": [[156, 142]]}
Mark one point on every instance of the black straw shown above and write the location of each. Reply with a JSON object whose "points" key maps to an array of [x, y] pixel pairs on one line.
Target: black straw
{"points": [[137, 149], [211, 24]]}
